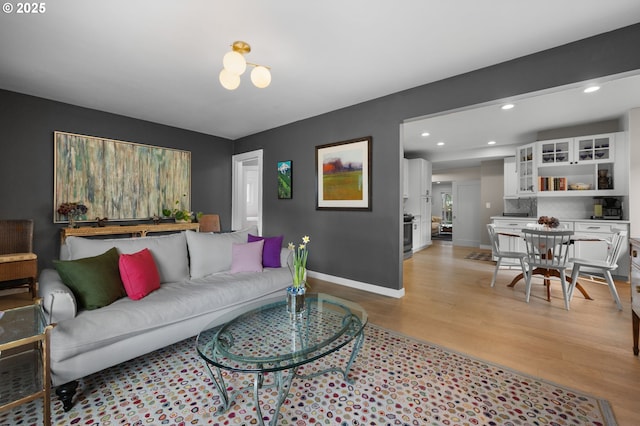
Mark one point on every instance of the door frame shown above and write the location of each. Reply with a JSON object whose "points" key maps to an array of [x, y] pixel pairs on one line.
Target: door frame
{"points": [[238, 196]]}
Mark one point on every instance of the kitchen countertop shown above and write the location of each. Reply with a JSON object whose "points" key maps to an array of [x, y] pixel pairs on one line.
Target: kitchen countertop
{"points": [[561, 219]]}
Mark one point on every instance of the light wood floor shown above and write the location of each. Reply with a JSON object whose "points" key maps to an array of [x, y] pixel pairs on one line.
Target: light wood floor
{"points": [[448, 301]]}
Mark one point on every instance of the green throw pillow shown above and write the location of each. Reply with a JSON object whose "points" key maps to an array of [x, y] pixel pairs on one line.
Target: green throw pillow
{"points": [[94, 281]]}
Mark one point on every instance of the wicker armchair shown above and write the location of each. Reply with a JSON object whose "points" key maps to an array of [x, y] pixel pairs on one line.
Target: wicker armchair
{"points": [[18, 263]]}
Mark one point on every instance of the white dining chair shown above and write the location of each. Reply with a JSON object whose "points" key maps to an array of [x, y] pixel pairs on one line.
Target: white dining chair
{"points": [[602, 268], [547, 255], [503, 254]]}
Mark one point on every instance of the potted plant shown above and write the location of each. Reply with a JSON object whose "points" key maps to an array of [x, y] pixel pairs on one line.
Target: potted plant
{"points": [[178, 213], [74, 211], [296, 292]]}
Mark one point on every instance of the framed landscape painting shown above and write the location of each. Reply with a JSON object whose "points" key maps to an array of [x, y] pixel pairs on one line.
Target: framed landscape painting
{"points": [[285, 174], [343, 175]]}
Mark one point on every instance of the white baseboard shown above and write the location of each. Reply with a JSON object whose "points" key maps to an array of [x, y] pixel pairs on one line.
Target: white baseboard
{"points": [[372, 288]]}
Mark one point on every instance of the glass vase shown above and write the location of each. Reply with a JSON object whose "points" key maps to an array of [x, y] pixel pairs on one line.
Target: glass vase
{"points": [[295, 298]]}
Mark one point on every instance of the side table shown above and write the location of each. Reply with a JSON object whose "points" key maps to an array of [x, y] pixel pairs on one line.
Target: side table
{"points": [[24, 358]]}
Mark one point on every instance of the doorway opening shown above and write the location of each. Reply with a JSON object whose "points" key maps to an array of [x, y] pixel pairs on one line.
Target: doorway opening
{"points": [[246, 203]]}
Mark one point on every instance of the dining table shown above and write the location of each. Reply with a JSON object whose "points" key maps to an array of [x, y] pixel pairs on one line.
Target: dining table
{"points": [[548, 273]]}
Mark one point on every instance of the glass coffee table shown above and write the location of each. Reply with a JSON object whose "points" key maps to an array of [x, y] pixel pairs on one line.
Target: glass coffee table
{"points": [[268, 339]]}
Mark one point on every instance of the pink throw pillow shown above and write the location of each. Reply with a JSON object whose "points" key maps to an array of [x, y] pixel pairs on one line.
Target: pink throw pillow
{"points": [[271, 252], [247, 257], [139, 274]]}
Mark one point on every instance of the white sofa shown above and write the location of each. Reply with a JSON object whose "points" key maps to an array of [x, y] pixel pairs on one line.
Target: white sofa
{"points": [[197, 288]]}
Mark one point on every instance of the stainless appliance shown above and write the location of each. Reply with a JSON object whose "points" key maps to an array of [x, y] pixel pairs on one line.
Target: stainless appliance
{"points": [[607, 208], [407, 226]]}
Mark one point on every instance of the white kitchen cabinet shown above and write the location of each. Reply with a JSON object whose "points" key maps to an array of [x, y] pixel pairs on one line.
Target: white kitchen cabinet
{"points": [[565, 167], [416, 226], [526, 169], [594, 149], [419, 201], [581, 150], [405, 178], [555, 152], [510, 178]]}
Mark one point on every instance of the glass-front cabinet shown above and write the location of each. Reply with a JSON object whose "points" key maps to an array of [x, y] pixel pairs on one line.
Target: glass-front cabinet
{"points": [[526, 169], [581, 150], [580, 166], [594, 149], [555, 152]]}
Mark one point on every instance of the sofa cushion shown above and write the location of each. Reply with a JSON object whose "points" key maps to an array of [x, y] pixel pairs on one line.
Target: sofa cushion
{"points": [[271, 251], [169, 252], [172, 303], [210, 253], [95, 281], [247, 257], [139, 274]]}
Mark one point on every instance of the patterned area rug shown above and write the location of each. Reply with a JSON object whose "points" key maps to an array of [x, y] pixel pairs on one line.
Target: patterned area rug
{"points": [[477, 255], [398, 381]]}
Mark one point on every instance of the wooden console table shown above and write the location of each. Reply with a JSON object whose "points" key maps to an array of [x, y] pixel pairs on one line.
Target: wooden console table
{"points": [[133, 230]]}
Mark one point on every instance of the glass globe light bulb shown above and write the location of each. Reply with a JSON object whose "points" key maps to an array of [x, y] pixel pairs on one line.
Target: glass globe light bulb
{"points": [[234, 62], [229, 80], [261, 77]]}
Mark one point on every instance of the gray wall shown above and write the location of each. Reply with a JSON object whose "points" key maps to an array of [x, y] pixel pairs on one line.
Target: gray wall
{"points": [[26, 163], [363, 246], [366, 246]]}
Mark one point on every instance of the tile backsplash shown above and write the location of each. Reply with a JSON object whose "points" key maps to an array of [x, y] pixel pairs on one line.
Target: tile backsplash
{"points": [[560, 207]]}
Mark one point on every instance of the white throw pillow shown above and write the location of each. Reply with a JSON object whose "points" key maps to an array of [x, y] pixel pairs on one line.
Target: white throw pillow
{"points": [[169, 252], [210, 253]]}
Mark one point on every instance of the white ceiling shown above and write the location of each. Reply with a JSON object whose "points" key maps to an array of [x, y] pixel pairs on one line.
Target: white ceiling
{"points": [[466, 132], [158, 60]]}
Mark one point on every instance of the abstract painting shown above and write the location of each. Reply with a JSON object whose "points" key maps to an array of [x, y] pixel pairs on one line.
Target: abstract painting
{"points": [[343, 175], [119, 180]]}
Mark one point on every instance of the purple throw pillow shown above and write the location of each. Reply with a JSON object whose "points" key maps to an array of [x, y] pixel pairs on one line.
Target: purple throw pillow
{"points": [[271, 251]]}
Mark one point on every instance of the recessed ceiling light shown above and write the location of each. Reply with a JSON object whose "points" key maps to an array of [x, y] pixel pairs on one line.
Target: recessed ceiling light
{"points": [[507, 106], [424, 134], [491, 142], [440, 143], [591, 89]]}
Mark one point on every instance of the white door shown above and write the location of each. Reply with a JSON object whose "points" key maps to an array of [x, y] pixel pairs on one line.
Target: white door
{"points": [[246, 204], [466, 215]]}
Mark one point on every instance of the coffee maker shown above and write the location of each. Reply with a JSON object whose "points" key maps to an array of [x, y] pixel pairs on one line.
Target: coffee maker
{"points": [[607, 208]]}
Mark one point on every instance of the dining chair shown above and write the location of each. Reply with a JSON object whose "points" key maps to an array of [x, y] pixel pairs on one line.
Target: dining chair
{"points": [[604, 267], [18, 263], [503, 254], [547, 255], [209, 223]]}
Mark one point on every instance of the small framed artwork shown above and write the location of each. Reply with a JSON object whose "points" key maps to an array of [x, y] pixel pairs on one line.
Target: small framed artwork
{"points": [[285, 181], [343, 175]]}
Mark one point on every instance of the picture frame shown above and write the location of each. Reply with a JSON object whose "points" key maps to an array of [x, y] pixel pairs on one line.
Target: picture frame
{"points": [[285, 180], [343, 175], [117, 179]]}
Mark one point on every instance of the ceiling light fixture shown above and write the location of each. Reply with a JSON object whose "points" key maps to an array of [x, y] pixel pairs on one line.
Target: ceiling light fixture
{"points": [[424, 134], [235, 65], [591, 89], [491, 143], [440, 143], [507, 106]]}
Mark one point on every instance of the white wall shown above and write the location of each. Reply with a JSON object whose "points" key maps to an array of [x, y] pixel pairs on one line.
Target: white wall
{"points": [[634, 170]]}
